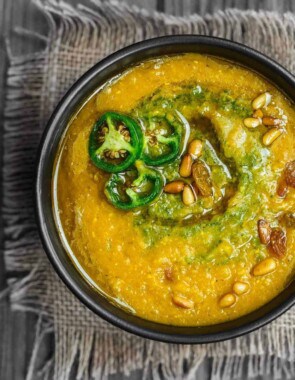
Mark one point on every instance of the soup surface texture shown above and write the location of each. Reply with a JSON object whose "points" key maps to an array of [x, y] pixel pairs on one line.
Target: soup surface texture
{"points": [[221, 242]]}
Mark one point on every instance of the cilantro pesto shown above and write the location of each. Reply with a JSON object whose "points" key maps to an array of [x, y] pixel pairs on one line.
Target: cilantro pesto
{"points": [[175, 190]]}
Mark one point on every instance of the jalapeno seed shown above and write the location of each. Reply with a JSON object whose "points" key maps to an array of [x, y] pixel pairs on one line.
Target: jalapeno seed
{"points": [[115, 136]]}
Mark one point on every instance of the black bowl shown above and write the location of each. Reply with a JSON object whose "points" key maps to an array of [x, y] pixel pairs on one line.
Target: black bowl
{"points": [[59, 258]]}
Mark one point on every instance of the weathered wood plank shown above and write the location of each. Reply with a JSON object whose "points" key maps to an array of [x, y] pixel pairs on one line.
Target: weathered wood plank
{"points": [[16, 328], [149, 5], [187, 7]]}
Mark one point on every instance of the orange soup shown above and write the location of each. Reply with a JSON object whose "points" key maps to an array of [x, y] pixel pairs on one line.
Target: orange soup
{"points": [[174, 190]]}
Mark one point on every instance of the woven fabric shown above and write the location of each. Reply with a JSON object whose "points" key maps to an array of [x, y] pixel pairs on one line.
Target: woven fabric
{"points": [[87, 347]]}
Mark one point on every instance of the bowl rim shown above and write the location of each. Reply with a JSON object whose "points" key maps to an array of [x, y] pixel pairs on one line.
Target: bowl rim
{"points": [[41, 217]]}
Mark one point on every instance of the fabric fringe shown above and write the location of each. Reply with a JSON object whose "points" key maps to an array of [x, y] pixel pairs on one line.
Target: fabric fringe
{"points": [[86, 347]]}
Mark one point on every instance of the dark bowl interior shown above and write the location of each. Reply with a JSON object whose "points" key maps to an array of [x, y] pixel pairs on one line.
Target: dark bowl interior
{"points": [[95, 77]]}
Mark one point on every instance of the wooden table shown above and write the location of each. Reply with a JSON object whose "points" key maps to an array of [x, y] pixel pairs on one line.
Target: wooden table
{"points": [[16, 328]]}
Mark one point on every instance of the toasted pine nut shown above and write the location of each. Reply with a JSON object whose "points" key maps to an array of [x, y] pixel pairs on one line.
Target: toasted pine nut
{"points": [[185, 168], [262, 100], [195, 148], [258, 114], [241, 287], [174, 187], [188, 196], [227, 300], [270, 121], [265, 266], [182, 301], [270, 136], [252, 122]]}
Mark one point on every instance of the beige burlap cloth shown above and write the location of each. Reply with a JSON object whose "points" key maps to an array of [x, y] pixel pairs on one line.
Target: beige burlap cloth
{"points": [[86, 347]]}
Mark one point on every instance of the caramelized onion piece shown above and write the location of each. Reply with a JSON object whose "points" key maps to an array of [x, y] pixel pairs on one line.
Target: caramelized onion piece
{"points": [[282, 188], [264, 231], [202, 178], [290, 173], [288, 219], [278, 242], [168, 271]]}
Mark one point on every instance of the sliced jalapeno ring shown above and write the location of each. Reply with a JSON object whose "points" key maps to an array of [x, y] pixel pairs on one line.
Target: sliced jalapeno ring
{"points": [[115, 142], [162, 140], [134, 188]]}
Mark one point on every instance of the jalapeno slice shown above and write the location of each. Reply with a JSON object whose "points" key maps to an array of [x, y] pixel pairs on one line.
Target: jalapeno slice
{"points": [[162, 139], [115, 142], [134, 188]]}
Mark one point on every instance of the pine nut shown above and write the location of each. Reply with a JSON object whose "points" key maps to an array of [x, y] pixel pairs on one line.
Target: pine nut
{"points": [[195, 148], [183, 302], [185, 168], [265, 266], [240, 287], [262, 100], [174, 187], [188, 196], [270, 136], [227, 300], [270, 121], [252, 122], [258, 114]]}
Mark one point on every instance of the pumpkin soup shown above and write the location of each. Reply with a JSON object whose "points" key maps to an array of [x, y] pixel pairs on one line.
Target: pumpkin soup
{"points": [[174, 190]]}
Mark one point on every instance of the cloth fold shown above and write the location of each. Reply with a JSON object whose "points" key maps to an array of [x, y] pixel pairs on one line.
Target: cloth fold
{"points": [[86, 347]]}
